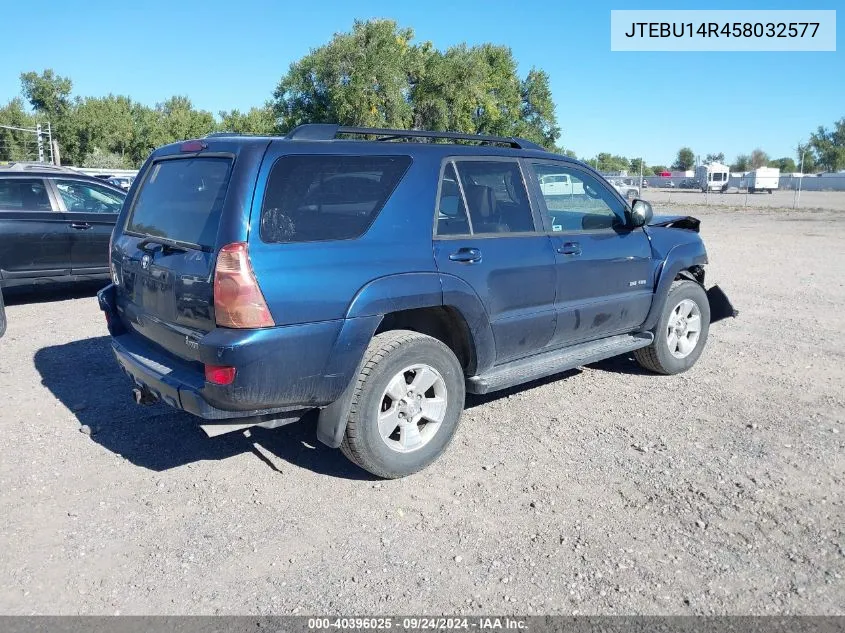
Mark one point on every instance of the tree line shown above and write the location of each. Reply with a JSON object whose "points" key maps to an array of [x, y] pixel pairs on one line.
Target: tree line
{"points": [[824, 151], [375, 76]]}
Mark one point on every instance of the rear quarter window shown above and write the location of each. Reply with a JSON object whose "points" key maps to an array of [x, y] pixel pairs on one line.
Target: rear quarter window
{"points": [[318, 197]]}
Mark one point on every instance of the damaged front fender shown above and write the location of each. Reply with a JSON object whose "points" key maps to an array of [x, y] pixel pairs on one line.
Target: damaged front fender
{"points": [[676, 222], [720, 306]]}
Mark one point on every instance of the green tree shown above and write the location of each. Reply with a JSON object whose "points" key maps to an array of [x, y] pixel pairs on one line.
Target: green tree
{"points": [[636, 164], [15, 144], [256, 121], [829, 146], [659, 168], [606, 162], [375, 76], [104, 160], [759, 158], [539, 122], [105, 124], [742, 163], [715, 158], [358, 78], [685, 159], [805, 158], [786, 164], [180, 121], [49, 95]]}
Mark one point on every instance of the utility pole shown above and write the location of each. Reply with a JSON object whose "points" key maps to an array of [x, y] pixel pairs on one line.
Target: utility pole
{"points": [[40, 142], [641, 175], [797, 199]]}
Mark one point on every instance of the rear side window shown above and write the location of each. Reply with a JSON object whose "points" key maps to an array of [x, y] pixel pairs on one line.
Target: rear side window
{"points": [[317, 198], [492, 191], [181, 200], [24, 194], [84, 197]]}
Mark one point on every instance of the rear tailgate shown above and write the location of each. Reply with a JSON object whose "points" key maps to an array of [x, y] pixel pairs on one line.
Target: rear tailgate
{"points": [[164, 249]]}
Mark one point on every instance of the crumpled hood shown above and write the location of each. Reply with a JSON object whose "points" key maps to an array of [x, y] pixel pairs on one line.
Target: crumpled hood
{"points": [[676, 222]]}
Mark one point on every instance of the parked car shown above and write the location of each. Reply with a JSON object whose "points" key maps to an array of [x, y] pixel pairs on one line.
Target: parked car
{"points": [[668, 184], [258, 278], [124, 182], [627, 190], [688, 183], [55, 225]]}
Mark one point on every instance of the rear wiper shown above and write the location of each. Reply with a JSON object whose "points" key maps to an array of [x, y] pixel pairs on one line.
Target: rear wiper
{"points": [[166, 245]]}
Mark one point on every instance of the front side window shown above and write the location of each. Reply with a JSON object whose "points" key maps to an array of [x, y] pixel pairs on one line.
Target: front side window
{"points": [[583, 204], [321, 197], [24, 194], [84, 197]]}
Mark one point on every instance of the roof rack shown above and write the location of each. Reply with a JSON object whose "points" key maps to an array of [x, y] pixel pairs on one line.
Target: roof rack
{"points": [[38, 167], [329, 131], [223, 134]]}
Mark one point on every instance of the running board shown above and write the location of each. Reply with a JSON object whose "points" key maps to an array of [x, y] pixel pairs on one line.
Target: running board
{"points": [[556, 361]]}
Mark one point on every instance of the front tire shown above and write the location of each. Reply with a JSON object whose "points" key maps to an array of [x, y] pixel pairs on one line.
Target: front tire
{"points": [[681, 333], [408, 400]]}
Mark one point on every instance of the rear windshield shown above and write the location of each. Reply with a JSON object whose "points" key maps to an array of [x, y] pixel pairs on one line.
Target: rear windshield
{"points": [[318, 197], [181, 200]]}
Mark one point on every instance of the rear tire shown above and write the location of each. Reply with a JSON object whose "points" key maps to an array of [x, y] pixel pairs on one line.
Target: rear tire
{"points": [[407, 402], [681, 333]]}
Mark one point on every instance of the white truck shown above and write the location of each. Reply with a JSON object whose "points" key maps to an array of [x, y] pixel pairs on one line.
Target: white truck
{"points": [[560, 185], [712, 177], [762, 179]]}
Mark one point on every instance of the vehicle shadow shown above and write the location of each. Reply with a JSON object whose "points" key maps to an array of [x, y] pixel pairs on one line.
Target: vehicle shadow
{"points": [[624, 364], [52, 292], [157, 437]]}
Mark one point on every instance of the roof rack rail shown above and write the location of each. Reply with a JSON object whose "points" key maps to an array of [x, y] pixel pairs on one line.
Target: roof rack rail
{"points": [[24, 166], [224, 134], [329, 131]]}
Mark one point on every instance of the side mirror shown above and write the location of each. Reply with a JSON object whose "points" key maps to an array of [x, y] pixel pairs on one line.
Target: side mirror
{"points": [[641, 213]]}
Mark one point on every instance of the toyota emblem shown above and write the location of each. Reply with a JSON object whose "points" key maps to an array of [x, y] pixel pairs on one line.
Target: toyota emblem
{"points": [[145, 262]]}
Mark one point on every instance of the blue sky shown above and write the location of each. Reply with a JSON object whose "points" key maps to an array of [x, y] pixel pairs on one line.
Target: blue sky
{"points": [[226, 55]]}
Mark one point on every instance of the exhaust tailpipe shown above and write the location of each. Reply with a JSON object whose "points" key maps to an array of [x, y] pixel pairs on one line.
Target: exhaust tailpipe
{"points": [[142, 396]]}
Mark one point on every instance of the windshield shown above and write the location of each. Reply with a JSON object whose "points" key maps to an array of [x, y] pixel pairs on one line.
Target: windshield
{"points": [[181, 200]]}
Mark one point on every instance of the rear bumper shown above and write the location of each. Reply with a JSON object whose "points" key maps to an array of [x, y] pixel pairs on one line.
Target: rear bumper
{"points": [[278, 370], [175, 386]]}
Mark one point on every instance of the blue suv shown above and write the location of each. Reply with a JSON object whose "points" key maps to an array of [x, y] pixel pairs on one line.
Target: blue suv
{"points": [[257, 278]]}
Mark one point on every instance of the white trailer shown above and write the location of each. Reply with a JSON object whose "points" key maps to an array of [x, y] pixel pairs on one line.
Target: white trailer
{"points": [[712, 177], [762, 179]]}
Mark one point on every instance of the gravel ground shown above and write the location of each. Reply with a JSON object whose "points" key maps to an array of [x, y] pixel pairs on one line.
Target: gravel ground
{"points": [[606, 490]]}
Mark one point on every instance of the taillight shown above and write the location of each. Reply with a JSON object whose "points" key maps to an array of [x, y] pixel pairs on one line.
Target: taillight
{"points": [[238, 302], [219, 374], [112, 268]]}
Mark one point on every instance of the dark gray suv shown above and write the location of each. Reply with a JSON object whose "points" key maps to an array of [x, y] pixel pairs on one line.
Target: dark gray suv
{"points": [[55, 224]]}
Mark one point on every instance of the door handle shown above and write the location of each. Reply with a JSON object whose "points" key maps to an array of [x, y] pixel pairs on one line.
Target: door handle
{"points": [[80, 226], [466, 256], [569, 248]]}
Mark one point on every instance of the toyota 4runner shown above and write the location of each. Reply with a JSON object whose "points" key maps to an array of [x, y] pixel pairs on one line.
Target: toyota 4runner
{"points": [[257, 278]]}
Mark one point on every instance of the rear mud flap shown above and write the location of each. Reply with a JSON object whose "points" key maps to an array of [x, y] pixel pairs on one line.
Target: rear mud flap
{"points": [[720, 306]]}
